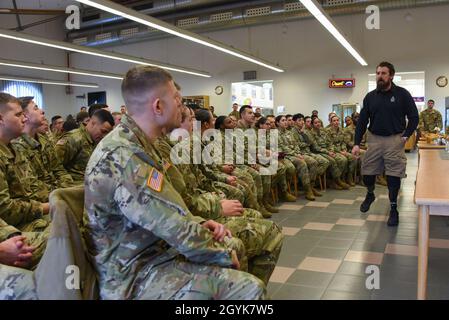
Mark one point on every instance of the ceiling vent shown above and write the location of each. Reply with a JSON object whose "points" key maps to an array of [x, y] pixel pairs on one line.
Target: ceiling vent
{"points": [[218, 17], [293, 6], [249, 75], [188, 22], [255, 12]]}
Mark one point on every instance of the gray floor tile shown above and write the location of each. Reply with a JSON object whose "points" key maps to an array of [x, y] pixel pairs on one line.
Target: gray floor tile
{"points": [[340, 235], [328, 253], [342, 295], [399, 260], [349, 283], [272, 288], [294, 292], [289, 259], [313, 233], [353, 268], [398, 273], [377, 245], [310, 278], [335, 243]]}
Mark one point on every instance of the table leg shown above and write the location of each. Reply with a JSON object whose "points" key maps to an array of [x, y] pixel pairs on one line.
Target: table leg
{"points": [[423, 250]]}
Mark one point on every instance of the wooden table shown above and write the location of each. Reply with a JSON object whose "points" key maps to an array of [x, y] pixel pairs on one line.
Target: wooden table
{"points": [[432, 198], [425, 145]]}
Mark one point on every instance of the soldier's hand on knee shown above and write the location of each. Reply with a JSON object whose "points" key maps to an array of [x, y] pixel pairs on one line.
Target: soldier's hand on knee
{"points": [[218, 230], [356, 151], [45, 208], [231, 208], [15, 252], [231, 180]]}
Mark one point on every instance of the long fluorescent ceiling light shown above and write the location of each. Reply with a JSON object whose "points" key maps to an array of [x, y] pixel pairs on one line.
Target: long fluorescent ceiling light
{"points": [[45, 67], [317, 11], [95, 52], [141, 18], [45, 81]]}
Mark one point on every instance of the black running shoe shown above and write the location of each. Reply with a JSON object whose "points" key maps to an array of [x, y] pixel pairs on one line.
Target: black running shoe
{"points": [[364, 207], [393, 220]]}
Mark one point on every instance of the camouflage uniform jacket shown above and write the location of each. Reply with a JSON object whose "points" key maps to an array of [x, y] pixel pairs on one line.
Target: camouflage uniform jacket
{"points": [[429, 119], [349, 133], [303, 140], [337, 139], [135, 219], [21, 193], [321, 140], [74, 150], [42, 156], [288, 143]]}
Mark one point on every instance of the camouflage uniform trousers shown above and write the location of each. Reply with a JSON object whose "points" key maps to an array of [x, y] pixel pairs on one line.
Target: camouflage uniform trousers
{"points": [[301, 170], [16, 284], [197, 282], [38, 240], [322, 163], [249, 179], [351, 165], [280, 178], [262, 240], [342, 162], [312, 165], [290, 170], [334, 168]]}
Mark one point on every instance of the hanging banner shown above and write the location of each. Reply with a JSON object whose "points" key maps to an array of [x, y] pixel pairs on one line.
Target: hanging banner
{"points": [[341, 83]]}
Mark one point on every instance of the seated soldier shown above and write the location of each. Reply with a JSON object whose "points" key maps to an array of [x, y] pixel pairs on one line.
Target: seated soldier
{"points": [[307, 174], [75, 147], [144, 240], [323, 147], [38, 150], [337, 141], [16, 283], [262, 238]]}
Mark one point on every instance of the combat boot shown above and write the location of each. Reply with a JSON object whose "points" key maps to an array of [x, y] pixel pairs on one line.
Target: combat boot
{"points": [[265, 213], [342, 184], [309, 193], [381, 180], [287, 197], [269, 207], [316, 193], [350, 180], [334, 185]]}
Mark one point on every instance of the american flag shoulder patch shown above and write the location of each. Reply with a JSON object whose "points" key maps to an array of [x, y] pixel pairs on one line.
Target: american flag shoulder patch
{"points": [[155, 180], [167, 165]]}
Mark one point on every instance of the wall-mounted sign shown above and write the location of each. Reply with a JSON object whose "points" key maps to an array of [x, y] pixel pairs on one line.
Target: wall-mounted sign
{"points": [[418, 99], [341, 83]]}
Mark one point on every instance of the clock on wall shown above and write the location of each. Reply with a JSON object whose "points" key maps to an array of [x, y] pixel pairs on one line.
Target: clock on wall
{"points": [[442, 81], [218, 90]]}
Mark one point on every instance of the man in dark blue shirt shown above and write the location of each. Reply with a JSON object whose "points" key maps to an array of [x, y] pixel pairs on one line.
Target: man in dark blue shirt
{"points": [[387, 110]]}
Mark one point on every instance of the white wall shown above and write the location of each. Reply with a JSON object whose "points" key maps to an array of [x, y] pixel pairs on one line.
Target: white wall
{"points": [[308, 53]]}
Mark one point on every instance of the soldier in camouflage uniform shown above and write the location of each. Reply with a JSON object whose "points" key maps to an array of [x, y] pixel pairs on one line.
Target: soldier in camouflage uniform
{"points": [[76, 146], [145, 242], [285, 167], [337, 141], [337, 162], [235, 112], [262, 238], [214, 173], [305, 145], [247, 122], [287, 144], [16, 283], [38, 150], [429, 119]]}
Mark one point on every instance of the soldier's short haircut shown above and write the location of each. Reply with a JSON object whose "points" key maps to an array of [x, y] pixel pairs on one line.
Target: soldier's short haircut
{"points": [[6, 98], [270, 116], [81, 116], [243, 108], [203, 115], [288, 116], [141, 80], [25, 101], [96, 106], [103, 116], [431, 100], [261, 122], [298, 116]]}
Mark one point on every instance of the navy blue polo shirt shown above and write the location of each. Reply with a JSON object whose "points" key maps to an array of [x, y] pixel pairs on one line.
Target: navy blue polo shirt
{"points": [[386, 112]]}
